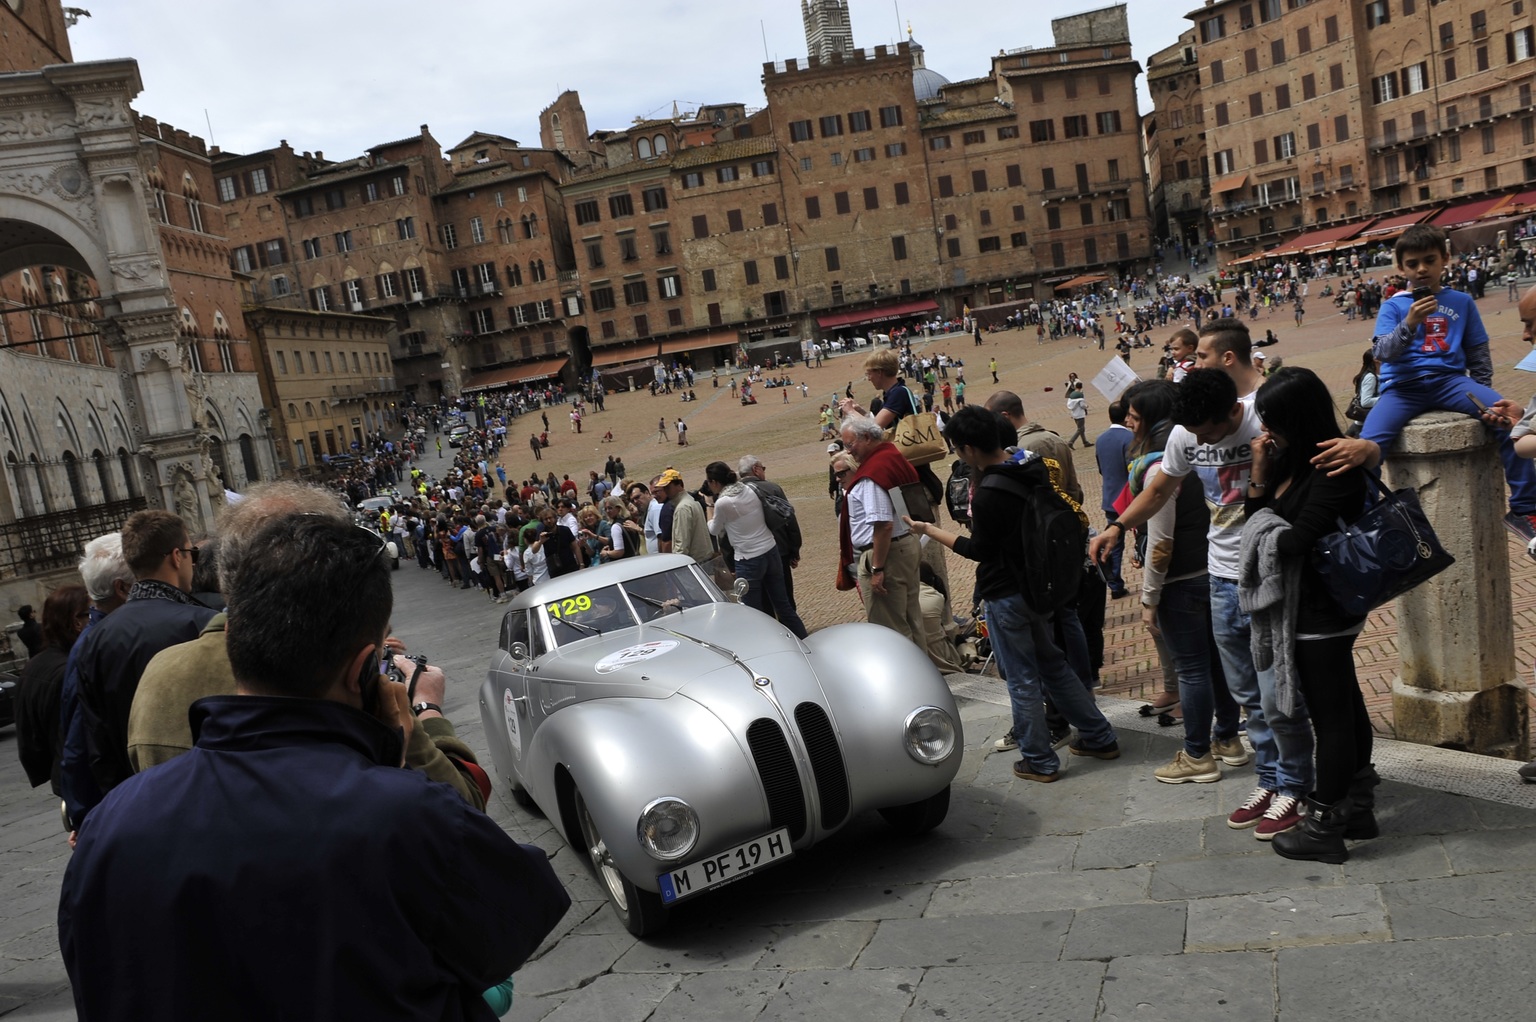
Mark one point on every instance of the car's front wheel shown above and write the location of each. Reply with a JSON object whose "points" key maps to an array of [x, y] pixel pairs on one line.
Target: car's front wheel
{"points": [[640, 911], [919, 817]]}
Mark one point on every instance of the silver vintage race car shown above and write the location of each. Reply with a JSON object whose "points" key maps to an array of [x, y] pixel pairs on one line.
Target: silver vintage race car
{"points": [[684, 740]]}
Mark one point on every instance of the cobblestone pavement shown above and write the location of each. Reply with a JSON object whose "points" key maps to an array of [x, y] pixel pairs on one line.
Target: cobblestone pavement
{"points": [[1106, 896]]}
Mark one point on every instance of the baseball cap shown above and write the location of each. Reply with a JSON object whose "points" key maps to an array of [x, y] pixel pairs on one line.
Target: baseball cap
{"points": [[669, 477], [834, 448]]}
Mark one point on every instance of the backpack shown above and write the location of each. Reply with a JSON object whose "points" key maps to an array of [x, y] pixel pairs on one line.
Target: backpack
{"points": [[957, 492], [779, 516], [1052, 534]]}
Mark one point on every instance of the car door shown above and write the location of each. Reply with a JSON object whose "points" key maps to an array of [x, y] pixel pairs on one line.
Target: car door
{"points": [[520, 714]]}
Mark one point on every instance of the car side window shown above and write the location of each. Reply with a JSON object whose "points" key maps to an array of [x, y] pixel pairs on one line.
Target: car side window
{"points": [[537, 647], [514, 629]]}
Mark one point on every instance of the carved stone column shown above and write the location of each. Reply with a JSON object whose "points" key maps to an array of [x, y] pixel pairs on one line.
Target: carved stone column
{"points": [[1458, 684]]}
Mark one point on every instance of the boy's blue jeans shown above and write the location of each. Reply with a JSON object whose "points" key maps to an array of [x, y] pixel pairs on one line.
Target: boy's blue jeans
{"points": [[1402, 399]]}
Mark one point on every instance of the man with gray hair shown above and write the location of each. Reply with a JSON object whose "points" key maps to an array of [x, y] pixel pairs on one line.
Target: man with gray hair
{"points": [[785, 528], [158, 725], [107, 579], [877, 551]]}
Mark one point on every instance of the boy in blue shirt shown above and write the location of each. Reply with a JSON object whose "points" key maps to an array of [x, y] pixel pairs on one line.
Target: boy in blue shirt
{"points": [[1434, 355]]}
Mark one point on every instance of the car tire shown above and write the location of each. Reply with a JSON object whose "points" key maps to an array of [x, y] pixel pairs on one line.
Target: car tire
{"points": [[641, 912], [920, 817]]}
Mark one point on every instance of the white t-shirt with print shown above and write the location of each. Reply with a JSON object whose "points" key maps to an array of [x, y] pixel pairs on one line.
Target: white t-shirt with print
{"points": [[1223, 473]]}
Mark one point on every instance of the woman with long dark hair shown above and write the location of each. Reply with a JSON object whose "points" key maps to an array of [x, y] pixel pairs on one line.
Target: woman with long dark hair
{"points": [[1176, 597], [1366, 384], [37, 699], [1298, 414]]}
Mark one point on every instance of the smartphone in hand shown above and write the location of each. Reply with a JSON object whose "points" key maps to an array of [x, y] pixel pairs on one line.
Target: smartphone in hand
{"points": [[1420, 293]]}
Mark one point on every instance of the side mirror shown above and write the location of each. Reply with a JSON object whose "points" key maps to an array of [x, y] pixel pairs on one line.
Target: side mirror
{"points": [[519, 652], [739, 589]]}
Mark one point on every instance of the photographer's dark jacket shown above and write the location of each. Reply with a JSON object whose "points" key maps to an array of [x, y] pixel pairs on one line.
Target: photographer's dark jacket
{"points": [[286, 868]]}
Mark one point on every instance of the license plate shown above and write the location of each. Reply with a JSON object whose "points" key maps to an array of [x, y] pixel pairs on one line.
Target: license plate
{"points": [[731, 864]]}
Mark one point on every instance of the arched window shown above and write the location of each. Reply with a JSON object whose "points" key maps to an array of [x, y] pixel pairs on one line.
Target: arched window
{"points": [[293, 410], [21, 485], [661, 144], [248, 459], [76, 480], [104, 476], [130, 477], [40, 483], [643, 148], [194, 203], [532, 225]]}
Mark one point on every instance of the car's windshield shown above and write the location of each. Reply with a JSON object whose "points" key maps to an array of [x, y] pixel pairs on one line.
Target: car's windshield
{"points": [[666, 592], [586, 614]]}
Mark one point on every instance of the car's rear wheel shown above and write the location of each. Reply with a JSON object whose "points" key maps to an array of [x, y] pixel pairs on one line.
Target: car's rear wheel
{"points": [[920, 817], [640, 911]]}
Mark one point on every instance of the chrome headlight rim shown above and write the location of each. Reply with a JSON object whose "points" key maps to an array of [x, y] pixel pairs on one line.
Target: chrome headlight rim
{"points": [[914, 748], [642, 833]]}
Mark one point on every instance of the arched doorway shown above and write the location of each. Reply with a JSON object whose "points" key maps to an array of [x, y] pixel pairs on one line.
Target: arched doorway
{"points": [[248, 459]]}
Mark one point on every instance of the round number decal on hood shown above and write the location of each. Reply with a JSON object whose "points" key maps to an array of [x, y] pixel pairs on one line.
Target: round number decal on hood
{"points": [[634, 655]]}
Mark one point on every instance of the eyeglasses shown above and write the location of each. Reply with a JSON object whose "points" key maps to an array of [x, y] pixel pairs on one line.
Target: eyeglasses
{"points": [[842, 472], [190, 551]]}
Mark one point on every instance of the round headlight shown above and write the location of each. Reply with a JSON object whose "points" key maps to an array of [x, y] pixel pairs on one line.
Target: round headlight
{"points": [[930, 735], [668, 828]]}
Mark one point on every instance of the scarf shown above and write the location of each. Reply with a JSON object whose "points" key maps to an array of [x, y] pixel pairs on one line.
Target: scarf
{"points": [[889, 469]]}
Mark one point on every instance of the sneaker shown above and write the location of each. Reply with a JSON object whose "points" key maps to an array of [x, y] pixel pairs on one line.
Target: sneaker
{"points": [[1281, 816], [1522, 525], [1231, 751], [1185, 768], [1007, 742], [1022, 771], [1061, 736], [1252, 810], [1110, 751]]}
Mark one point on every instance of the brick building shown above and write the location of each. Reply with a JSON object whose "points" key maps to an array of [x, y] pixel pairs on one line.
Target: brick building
{"points": [[869, 190], [322, 375], [1178, 170], [1333, 114], [507, 254]]}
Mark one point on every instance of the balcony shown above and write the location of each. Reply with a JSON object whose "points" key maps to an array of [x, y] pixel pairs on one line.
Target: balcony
{"points": [[1434, 127], [52, 541]]}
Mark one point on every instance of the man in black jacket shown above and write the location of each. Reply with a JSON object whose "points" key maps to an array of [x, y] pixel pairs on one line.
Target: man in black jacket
{"points": [[287, 867], [159, 612], [1032, 665]]}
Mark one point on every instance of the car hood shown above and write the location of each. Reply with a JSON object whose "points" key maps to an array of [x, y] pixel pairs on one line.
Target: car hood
{"points": [[658, 659]]}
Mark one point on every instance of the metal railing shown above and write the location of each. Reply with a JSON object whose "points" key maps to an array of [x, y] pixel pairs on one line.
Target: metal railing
{"points": [[53, 541]]}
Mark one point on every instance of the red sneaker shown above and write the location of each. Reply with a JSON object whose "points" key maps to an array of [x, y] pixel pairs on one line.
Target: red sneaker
{"points": [[1281, 816], [1252, 810]]}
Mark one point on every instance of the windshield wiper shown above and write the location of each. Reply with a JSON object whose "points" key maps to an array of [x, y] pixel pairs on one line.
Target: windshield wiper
{"points": [[577, 624], [658, 604]]}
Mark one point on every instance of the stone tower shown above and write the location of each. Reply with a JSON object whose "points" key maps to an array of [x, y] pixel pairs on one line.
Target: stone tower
{"points": [[827, 28]]}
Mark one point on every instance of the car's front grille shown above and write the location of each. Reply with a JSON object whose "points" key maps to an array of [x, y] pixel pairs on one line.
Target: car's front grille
{"points": [[781, 781], [826, 762]]}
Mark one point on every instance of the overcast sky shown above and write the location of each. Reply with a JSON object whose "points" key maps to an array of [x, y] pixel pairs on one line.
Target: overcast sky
{"points": [[342, 75]]}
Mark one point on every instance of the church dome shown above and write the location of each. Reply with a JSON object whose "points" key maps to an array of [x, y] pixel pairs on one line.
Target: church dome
{"points": [[926, 83]]}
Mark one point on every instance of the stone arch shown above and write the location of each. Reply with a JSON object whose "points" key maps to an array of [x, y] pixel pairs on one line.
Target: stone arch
{"points": [[214, 419], [65, 423], [45, 235]]}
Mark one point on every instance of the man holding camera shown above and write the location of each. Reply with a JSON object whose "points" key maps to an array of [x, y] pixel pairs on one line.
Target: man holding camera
{"points": [[287, 866]]}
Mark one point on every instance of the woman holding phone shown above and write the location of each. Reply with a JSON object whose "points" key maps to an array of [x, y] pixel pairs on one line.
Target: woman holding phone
{"points": [[1297, 414]]}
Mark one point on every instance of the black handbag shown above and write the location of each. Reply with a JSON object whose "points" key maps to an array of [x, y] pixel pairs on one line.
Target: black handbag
{"points": [[1387, 552]]}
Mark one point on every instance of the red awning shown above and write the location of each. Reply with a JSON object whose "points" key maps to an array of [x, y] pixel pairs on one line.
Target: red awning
{"points": [[515, 374], [1390, 227], [1467, 212], [1519, 204], [1230, 183], [645, 351], [1081, 281], [880, 315], [1315, 240]]}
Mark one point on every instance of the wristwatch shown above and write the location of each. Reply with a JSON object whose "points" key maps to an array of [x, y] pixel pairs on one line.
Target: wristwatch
{"points": [[420, 708], [876, 571]]}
